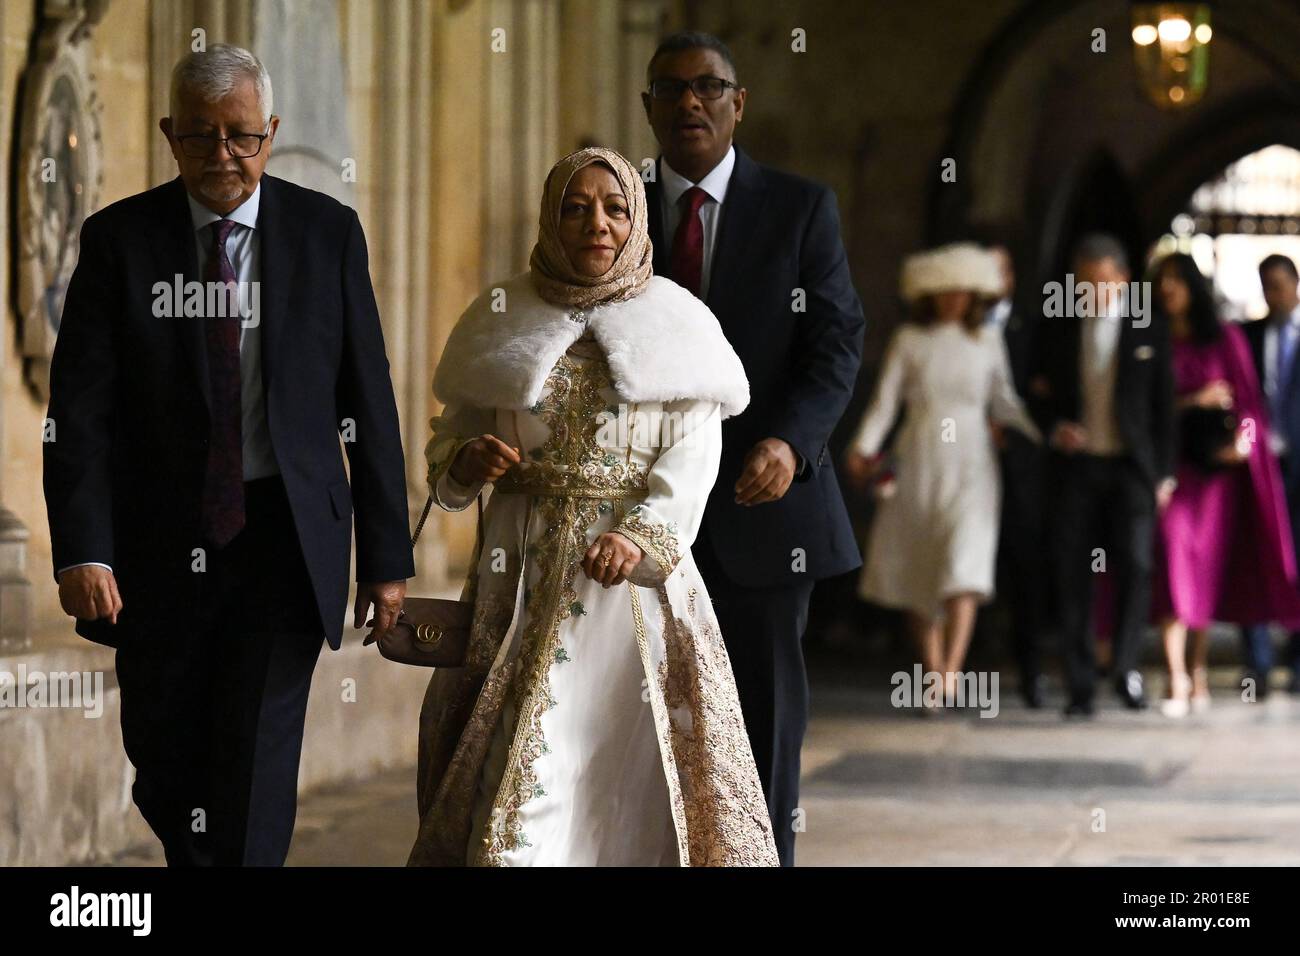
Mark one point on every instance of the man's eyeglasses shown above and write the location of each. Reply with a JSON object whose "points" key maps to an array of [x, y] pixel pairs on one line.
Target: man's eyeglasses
{"points": [[704, 87], [240, 146]]}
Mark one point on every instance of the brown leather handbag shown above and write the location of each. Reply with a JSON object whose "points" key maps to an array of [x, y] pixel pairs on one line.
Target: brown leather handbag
{"points": [[432, 632]]}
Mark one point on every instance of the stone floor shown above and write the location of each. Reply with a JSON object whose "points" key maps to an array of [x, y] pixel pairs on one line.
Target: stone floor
{"points": [[886, 787]]}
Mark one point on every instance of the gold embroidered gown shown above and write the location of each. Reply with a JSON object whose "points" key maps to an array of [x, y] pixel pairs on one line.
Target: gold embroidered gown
{"points": [[591, 725]]}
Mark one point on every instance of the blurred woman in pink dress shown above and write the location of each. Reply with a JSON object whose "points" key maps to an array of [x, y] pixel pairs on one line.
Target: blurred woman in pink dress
{"points": [[1224, 549]]}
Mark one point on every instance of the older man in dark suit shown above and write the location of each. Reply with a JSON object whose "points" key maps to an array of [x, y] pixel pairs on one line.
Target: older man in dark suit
{"points": [[762, 248], [200, 512]]}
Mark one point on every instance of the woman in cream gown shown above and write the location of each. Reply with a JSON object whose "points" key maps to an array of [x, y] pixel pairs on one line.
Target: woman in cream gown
{"points": [[933, 544], [596, 720]]}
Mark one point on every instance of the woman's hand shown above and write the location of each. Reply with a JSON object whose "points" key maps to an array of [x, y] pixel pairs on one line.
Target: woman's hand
{"points": [[1215, 394], [1068, 437], [486, 458], [859, 469], [610, 559], [1238, 451], [1165, 493]]}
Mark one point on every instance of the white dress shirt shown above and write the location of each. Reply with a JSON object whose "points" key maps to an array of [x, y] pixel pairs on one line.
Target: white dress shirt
{"points": [[999, 314], [673, 184], [1098, 366], [1276, 440], [243, 248], [715, 184]]}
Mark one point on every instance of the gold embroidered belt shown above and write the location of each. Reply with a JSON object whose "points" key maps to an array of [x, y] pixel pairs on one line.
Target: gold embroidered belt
{"points": [[551, 487]]}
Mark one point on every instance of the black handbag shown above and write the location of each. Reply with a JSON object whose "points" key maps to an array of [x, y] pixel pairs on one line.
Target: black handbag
{"points": [[1204, 433], [432, 632]]}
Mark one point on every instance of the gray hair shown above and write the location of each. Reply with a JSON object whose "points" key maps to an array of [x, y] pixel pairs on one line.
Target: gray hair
{"points": [[1096, 246], [214, 72]]}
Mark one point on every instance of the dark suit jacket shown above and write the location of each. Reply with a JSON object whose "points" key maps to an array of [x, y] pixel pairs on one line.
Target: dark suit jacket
{"points": [[779, 233], [1290, 425], [1144, 389], [130, 396], [1020, 335], [1254, 332]]}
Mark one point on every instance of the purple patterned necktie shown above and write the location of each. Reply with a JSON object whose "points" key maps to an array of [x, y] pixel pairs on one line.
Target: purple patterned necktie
{"points": [[223, 482]]}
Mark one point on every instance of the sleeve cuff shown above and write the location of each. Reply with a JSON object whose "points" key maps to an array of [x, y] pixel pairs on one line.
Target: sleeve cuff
{"points": [[449, 493], [83, 564], [803, 463], [659, 546]]}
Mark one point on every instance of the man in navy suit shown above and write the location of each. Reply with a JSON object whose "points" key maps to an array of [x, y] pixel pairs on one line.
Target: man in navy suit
{"points": [[199, 509], [762, 248], [1273, 345]]}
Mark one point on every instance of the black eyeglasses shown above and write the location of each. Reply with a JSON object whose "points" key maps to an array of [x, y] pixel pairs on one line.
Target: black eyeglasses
{"points": [[705, 87], [240, 146]]}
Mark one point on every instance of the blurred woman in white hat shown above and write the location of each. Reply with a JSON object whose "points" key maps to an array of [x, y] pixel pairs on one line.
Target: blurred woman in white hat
{"points": [[933, 543]]}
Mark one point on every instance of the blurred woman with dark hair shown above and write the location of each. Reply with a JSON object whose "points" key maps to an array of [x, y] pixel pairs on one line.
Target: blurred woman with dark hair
{"points": [[1224, 546]]}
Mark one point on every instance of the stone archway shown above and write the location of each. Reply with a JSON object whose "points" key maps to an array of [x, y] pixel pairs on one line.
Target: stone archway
{"points": [[1204, 150], [1038, 112]]}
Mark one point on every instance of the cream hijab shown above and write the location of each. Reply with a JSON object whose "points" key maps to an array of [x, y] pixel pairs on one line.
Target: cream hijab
{"points": [[553, 275]]}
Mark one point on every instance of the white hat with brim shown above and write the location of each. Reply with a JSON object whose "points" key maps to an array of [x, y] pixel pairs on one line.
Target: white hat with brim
{"points": [[959, 266]]}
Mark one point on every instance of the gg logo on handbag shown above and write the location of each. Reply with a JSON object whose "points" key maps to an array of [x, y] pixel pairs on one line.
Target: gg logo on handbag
{"points": [[429, 633]]}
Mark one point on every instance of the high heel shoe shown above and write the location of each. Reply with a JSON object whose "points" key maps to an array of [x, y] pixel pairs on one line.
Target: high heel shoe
{"points": [[1178, 703]]}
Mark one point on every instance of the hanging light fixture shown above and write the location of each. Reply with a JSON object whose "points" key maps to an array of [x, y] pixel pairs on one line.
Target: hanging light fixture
{"points": [[1171, 49]]}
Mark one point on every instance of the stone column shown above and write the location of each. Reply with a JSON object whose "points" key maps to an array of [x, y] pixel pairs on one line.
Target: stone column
{"points": [[640, 23], [453, 259], [392, 52], [15, 589], [15, 605]]}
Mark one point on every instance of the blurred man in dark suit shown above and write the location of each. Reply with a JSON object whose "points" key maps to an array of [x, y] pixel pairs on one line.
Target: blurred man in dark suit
{"points": [[1103, 392]]}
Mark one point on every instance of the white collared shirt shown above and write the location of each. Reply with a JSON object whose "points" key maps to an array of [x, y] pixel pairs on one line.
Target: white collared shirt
{"points": [[1098, 368], [1276, 440], [715, 184], [243, 246]]}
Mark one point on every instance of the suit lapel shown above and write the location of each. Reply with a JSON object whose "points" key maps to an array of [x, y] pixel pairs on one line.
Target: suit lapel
{"points": [[281, 234], [741, 214], [175, 252], [1124, 361], [1256, 339], [655, 220]]}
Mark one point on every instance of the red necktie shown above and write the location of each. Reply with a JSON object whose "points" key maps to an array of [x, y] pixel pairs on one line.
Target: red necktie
{"points": [[222, 513], [687, 263]]}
